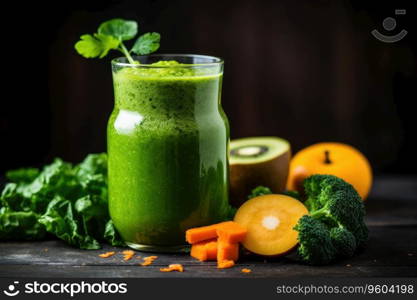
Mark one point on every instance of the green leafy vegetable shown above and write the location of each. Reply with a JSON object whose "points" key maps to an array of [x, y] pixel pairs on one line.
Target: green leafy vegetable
{"points": [[259, 191], [20, 225], [93, 164], [12, 198], [335, 227], [123, 30], [61, 220], [67, 201], [97, 45], [111, 235], [146, 43], [111, 35], [22, 175]]}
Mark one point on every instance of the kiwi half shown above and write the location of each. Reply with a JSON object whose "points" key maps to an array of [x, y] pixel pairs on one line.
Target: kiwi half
{"points": [[257, 161]]}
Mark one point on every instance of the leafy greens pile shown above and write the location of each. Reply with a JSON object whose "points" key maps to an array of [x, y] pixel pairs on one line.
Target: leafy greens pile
{"points": [[67, 201]]}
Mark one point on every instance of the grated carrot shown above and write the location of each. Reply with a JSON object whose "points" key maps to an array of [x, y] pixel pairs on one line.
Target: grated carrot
{"points": [[107, 254], [148, 260], [128, 254], [173, 267]]}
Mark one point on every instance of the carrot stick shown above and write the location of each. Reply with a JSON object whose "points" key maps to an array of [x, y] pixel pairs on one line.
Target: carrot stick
{"points": [[199, 234], [225, 264], [206, 250], [231, 232], [227, 251]]}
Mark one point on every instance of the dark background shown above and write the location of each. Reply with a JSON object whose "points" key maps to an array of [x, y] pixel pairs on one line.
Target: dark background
{"points": [[308, 71]]}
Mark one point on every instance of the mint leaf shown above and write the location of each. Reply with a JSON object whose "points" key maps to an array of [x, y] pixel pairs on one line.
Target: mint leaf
{"points": [[96, 46], [120, 29], [146, 43]]}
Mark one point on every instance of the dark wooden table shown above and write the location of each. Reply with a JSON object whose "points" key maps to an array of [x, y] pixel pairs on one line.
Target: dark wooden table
{"points": [[391, 250]]}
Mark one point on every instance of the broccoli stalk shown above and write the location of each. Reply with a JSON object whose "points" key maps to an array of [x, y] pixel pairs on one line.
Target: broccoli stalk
{"points": [[335, 227]]}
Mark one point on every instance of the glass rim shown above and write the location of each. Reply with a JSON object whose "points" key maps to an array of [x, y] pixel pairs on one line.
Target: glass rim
{"points": [[216, 61]]}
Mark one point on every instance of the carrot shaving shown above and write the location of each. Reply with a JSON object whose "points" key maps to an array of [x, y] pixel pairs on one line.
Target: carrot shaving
{"points": [[173, 267], [153, 257], [148, 260], [128, 254], [245, 270], [107, 254]]}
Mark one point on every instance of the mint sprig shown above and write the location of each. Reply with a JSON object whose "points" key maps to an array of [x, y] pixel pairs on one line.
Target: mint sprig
{"points": [[111, 35]]}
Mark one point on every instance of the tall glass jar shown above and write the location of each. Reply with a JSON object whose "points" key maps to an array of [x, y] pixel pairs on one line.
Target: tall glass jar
{"points": [[168, 149]]}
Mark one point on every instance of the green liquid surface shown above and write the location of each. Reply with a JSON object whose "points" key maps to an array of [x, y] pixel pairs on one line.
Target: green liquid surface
{"points": [[167, 146]]}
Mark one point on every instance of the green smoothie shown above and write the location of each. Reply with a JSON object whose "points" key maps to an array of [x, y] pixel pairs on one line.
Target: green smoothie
{"points": [[167, 147]]}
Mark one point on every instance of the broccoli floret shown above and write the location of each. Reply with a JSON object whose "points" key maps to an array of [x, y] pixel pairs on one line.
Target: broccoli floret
{"points": [[344, 241], [337, 206], [361, 233], [316, 246], [263, 190], [336, 203], [259, 191]]}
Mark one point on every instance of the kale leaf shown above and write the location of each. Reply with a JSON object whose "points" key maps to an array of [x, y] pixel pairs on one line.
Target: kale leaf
{"points": [[69, 202]]}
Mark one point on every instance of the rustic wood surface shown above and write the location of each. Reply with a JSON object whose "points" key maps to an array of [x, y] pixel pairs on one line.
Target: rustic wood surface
{"points": [[391, 250]]}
